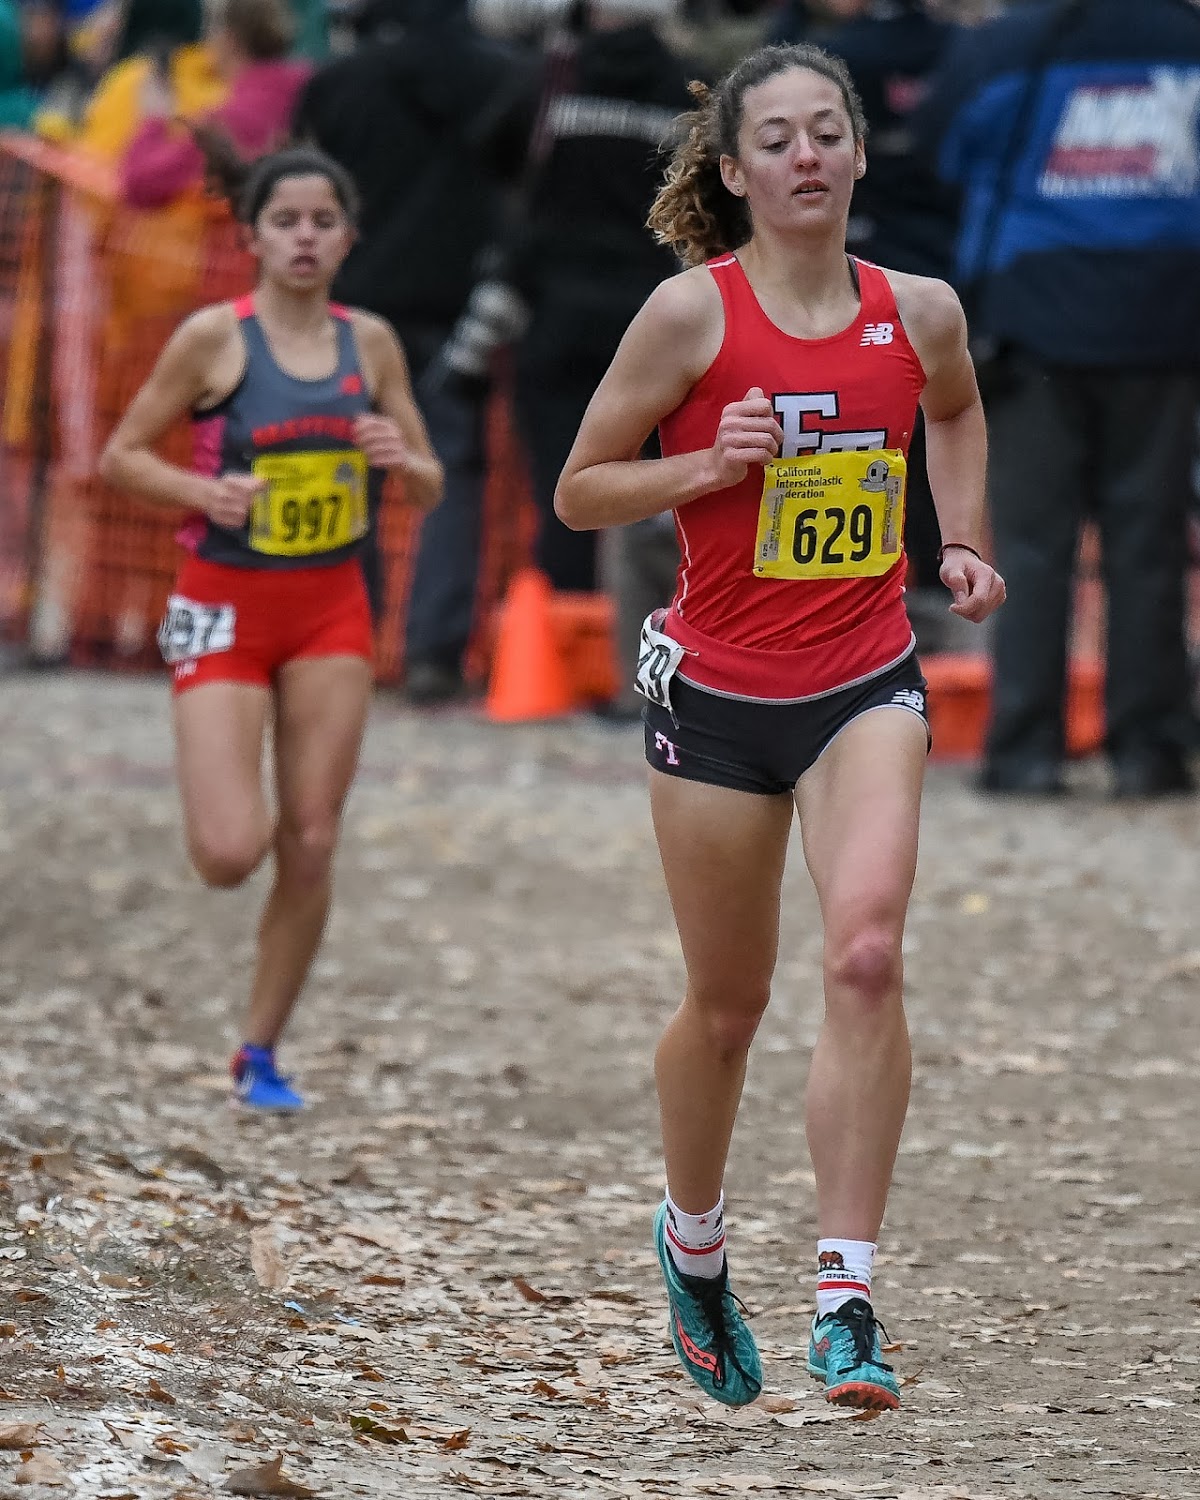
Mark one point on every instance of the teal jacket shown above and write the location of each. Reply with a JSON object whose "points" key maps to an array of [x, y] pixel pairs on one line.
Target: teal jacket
{"points": [[17, 100], [312, 28]]}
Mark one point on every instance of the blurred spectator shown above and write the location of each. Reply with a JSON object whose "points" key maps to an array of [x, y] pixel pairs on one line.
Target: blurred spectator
{"points": [[30, 53], [1074, 136], [249, 41], [427, 114], [312, 28], [45, 41], [903, 216], [582, 261], [88, 34], [159, 47]]}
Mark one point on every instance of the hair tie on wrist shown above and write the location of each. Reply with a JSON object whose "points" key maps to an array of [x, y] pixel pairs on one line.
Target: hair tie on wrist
{"points": [[965, 546]]}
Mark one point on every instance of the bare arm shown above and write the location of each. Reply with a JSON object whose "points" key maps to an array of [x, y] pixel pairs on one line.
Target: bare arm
{"points": [[667, 348], [394, 437], [956, 440], [187, 375]]}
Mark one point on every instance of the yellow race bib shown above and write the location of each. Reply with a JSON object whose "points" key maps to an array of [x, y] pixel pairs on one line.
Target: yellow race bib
{"points": [[313, 502], [831, 515]]}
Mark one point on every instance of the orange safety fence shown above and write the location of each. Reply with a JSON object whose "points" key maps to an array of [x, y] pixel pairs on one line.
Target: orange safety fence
{"points": [[90, 290]]}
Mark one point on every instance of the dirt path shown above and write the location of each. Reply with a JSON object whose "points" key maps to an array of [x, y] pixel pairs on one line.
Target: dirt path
{"points": [[438, 1281]]}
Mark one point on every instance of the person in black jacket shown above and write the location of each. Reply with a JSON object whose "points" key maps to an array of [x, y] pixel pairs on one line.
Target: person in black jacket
{"points": [[902, 216], [430, 117], [582, 260], [1072, 131]]}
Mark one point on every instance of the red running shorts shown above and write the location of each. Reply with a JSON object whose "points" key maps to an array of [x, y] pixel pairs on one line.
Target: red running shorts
{"points": [[226, 624]]}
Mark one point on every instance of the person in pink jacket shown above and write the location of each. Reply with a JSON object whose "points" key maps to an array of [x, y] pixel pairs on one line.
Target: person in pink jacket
{"points": [[249, 41]]}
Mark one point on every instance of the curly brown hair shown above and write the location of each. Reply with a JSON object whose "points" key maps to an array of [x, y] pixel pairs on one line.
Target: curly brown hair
{"points": [[694, 212]]}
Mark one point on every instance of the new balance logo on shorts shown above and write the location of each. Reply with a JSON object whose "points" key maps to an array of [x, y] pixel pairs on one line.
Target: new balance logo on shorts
{"points": [[877, 333], [912, 698]]}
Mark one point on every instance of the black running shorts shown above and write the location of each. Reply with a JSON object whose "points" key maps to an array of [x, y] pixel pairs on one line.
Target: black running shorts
{"points": [[753, 746]]}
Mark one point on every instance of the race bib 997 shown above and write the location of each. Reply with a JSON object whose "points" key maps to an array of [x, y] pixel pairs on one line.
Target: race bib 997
{"points": [[313, 502], [831, 515]]}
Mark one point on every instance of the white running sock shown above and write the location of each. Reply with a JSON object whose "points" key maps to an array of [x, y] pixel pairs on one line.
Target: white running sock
{"points": [[696, 1242], [843, 1272]]}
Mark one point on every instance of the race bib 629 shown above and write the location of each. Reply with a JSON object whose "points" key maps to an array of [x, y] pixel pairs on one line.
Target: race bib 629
{"points": [[313, 502], [831, 515]]}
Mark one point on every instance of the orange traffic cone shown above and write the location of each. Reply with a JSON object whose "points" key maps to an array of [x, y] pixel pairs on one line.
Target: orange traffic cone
{"points": [[529, 677]]}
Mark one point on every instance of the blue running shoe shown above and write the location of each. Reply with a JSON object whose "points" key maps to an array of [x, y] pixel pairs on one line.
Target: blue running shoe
{"points": [[710, 1335], [257, 1085], [844, 1352]]}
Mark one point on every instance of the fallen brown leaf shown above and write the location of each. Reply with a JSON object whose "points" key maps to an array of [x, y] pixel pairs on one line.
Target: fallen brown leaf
{"points": [[168, 1444], [776, 1403], [14, 1435], [369, 1427], [544, 1388], [455, 1441], [267, 1479], [266, 1258], [376, 1279], [155, 1392], [41, 1468]]}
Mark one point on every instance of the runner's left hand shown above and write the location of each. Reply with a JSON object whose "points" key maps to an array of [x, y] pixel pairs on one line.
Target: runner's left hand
{"points": [[977, 588], [380, 440]]}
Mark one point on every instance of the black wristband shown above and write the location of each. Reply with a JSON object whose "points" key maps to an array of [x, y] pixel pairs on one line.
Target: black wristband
{"points": [[966, 547]]}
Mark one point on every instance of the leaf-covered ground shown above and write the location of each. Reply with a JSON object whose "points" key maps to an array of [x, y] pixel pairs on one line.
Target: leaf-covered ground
{"points": [[438, 1281]]}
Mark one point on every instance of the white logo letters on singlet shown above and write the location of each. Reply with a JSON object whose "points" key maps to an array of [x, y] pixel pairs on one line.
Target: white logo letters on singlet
{"points": [[792, 410]]}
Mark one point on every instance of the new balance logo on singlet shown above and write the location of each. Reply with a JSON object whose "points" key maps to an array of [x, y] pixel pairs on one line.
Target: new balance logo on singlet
{"points": [[877, 333]]}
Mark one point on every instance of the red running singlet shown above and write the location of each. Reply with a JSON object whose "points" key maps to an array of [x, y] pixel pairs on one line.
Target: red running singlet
{"points": [[789, 639]]}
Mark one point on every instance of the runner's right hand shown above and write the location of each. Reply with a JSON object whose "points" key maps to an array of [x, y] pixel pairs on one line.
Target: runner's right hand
{"points": [[231, 497], [748, 433]]}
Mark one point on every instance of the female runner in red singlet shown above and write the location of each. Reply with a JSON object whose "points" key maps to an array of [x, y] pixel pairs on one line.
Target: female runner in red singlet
{"points": [[299, 408], [784, 378]]}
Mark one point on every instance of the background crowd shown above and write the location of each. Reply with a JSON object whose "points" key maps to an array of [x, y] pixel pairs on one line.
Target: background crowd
{"points": [[1042, 155]]}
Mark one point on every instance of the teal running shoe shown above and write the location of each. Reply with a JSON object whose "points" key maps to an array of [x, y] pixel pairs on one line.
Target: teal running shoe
{"points": [[844, 1352], [711, 1338], [257, 1084]]}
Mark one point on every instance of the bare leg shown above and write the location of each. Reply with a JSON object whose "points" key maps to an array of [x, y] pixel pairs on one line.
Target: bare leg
{"points": [[219, 731], [322, 709], [723, 854], [859, 815]]}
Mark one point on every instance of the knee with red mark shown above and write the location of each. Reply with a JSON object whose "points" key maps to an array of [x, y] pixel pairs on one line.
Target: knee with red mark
{"points": [[864, 967]]}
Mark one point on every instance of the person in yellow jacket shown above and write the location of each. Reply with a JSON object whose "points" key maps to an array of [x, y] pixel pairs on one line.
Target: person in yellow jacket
{"points": [[160, 48]]}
